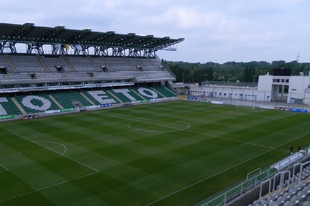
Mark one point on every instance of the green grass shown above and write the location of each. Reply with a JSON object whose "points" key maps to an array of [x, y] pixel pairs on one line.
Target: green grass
{"points": [[172, 153]]}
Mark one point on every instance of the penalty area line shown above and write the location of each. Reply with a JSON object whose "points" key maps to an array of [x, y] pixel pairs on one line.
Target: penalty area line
{"points": [[65, 148], [95, 171], [34, 142], [47, 187], [6, 169]]}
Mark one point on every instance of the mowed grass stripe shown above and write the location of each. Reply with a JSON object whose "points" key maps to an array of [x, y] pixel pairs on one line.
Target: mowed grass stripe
{"points": [[235, 120], [141, 125], [105, 149], [194, 149], [45, 168], [270, 132], [34, 198], [138, 167]]}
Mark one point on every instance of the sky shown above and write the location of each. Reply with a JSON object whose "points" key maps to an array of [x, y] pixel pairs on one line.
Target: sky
{"points": [[214, 30]]}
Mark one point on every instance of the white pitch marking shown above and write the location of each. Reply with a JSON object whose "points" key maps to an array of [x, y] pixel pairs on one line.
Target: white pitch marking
{"points": [[184, 188], [229, 139], [6, 169], [60, 183], [56, 152], [206, 134], [65, 148], [145, 130], [47, 187]]}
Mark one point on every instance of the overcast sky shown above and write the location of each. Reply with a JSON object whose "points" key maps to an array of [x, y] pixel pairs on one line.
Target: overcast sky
{"points": [[214, 30]]}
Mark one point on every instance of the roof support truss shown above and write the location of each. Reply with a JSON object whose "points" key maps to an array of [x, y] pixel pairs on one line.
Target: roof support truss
{"points": [[118, 51], [149, 52], [59, 49], [78, 49], [23, 30], [101, 51], [7, 45], [134, 52], [34, 37], [37, 47]]}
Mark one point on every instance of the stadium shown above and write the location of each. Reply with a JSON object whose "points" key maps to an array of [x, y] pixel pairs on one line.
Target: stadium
{"points": [[94, 118]]}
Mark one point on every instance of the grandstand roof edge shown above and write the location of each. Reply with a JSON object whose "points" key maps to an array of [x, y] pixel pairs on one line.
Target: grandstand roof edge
{"points": [[29, 33]]}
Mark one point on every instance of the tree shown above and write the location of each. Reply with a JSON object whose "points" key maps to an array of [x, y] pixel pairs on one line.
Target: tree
{"points": [[249, 74], [230, 71]]}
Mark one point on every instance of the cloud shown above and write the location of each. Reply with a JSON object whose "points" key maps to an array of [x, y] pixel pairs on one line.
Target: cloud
{"points": [[213, 30]]}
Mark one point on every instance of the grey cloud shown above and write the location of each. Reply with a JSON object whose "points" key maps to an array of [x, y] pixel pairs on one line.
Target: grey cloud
{"points": [[215, 30]]}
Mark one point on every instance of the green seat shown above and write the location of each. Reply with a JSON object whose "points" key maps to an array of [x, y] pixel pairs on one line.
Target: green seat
{"points": [[36, 103], [71, 99], [8, 107]]}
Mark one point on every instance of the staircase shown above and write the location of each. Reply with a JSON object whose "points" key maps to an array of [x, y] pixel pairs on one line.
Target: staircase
{"points": [[92, 63], [18, 105], [56, 102], [68, 63], [87, 98], [42, 63], [115, 97], [10, 62]]}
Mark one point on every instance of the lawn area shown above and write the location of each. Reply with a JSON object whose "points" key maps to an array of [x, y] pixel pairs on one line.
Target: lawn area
{"points": [[170, 153]]}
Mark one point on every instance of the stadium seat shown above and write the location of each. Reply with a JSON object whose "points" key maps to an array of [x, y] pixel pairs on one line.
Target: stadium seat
{"points": [[280, 200], [27, 63], [36, 103], [306, 203], [70, 99], [272, 203], [294, 200]]}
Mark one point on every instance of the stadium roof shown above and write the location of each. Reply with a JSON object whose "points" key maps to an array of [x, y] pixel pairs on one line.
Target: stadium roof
{"points": [[29, 33]]}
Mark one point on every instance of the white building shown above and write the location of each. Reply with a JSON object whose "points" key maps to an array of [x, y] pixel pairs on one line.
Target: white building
{"points": [[289, 89]]}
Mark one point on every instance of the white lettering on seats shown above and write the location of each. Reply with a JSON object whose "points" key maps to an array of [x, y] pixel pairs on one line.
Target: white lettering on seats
{"points": [[2, 110], [46, 104], [101, 96], [150, 93], [125, 92]]}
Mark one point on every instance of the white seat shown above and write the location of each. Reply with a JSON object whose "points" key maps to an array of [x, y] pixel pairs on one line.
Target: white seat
{"points": [[306, 203], [272, 203], [287, 203], [294, 200]]}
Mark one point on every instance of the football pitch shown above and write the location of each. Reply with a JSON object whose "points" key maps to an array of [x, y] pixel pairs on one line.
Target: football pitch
{"points": [[170, 153]]}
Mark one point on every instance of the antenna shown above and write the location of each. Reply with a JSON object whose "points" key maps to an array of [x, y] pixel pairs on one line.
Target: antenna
{"points": [[297, 57]]}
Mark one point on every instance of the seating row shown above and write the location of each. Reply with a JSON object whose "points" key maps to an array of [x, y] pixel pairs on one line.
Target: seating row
{"points": [[294, 190], [42, 102], [42, 63]]}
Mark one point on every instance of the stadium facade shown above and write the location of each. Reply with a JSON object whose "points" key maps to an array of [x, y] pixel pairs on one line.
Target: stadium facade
{"points": [[270, 88], [64, 69]]}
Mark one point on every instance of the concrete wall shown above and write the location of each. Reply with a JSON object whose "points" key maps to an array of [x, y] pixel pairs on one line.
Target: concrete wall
{"points": [[265, 83], [267, 90]]}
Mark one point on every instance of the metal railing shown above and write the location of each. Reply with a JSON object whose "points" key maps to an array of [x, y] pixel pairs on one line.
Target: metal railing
{"points": [[254, 179], [233, 84]]}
